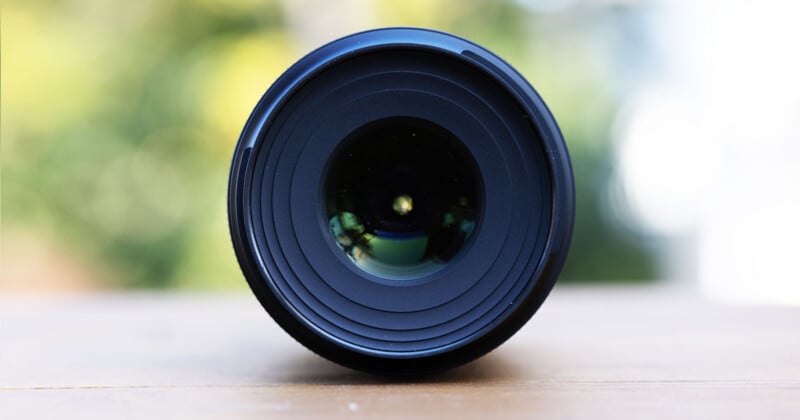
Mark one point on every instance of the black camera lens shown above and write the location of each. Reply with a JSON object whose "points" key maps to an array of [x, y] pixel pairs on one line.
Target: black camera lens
{"points": [[401, 201]]}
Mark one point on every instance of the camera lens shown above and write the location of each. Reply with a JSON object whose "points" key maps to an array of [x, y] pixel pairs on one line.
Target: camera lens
{"points": [[401, 201], [402, 197]]}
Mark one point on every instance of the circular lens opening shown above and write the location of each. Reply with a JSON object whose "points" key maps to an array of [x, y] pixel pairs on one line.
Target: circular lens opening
{"points": [[402, 198]]}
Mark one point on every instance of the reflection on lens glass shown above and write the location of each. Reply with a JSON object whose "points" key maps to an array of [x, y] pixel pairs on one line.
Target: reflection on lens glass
{"points": [[402, 197]]}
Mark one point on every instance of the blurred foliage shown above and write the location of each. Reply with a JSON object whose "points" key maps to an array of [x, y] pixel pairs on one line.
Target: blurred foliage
{"points": [[119, 120]]}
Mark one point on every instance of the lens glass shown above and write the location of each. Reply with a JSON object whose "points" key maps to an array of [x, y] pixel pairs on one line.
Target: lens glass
{"points": [[402, 198]]}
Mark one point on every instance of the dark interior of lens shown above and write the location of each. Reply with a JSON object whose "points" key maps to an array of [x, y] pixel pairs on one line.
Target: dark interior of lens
{"points": [[402, 197]]}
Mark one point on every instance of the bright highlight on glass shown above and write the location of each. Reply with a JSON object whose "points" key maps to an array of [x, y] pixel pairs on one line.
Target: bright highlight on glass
{"points": [[403, 204]]}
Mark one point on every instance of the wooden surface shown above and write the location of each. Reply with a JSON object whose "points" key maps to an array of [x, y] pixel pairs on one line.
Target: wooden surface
{"points": [[591, 352]]}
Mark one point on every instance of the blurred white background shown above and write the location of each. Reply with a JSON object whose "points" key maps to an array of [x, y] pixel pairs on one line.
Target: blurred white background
{"points": [[708, 144]]}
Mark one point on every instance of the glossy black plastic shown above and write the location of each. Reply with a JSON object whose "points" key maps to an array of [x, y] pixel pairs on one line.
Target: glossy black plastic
{"points": [[279, 202]]}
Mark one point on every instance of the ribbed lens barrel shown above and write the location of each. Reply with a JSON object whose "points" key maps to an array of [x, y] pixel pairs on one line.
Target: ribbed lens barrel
{"points": [[401, 201]]}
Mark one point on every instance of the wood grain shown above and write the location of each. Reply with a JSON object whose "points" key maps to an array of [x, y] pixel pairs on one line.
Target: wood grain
{"points": [[599, 352]]}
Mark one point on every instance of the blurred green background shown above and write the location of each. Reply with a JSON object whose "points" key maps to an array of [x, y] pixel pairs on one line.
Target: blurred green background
{"points": [[119, 120]]}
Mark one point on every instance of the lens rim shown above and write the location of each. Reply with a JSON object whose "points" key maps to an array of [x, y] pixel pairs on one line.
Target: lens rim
{"points": [[263, 275]]}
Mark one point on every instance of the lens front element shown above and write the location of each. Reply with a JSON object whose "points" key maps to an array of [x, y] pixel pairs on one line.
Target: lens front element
{"points": [[402, 198]]}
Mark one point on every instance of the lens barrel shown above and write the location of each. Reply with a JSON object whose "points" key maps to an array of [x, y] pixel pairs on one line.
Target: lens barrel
{"points": [[401, 201]]}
